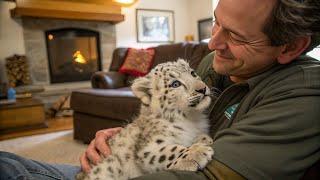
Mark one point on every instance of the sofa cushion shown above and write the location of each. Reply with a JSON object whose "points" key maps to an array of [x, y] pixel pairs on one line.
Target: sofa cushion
{"points": [[138, 62], [109, 103]]}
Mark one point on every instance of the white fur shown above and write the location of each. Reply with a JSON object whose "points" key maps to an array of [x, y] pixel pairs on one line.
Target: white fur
{"points": [[171, 124]]}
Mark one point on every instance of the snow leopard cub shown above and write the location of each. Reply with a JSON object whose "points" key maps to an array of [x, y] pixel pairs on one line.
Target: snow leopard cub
{"points": [[169, 133]]}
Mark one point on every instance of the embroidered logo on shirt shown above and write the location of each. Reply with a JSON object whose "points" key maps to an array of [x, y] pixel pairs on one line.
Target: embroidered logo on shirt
{"points": [[230, 110]]}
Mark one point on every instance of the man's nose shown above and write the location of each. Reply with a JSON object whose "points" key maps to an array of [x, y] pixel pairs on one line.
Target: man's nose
{"points": [[218, 39]]}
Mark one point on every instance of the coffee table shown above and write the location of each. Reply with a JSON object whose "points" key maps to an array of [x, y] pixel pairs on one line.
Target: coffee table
{"points": [[25, 114]]}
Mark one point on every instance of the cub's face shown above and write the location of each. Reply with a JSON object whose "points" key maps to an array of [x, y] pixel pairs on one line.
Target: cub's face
{"points": [[172, 86]]}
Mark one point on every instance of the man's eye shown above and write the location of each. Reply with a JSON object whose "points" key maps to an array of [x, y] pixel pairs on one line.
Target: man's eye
{"points": [[236, 39], [193, 74], [175, 84]]}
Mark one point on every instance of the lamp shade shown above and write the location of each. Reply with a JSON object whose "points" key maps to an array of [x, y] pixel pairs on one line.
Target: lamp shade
{"points": [[125, 2]]}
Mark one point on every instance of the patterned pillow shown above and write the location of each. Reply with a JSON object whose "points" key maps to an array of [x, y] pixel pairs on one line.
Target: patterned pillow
{"points": [[138, 61]]}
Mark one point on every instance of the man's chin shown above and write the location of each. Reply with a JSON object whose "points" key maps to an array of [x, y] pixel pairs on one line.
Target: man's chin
{"points": [[219, 68]]}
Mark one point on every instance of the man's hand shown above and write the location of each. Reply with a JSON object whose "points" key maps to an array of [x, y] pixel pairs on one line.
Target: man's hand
{"points": [[98, 147]]}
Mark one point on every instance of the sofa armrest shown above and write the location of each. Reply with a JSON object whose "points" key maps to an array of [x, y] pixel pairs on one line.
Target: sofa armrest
{"points": [[108, 80]]}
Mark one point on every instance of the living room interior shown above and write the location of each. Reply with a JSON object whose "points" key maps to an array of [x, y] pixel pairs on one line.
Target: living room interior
{"points": [[65, 61]]}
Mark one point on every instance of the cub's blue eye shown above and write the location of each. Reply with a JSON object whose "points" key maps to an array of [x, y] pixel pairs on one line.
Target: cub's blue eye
{"points": [[193, 74], [175, 84]]}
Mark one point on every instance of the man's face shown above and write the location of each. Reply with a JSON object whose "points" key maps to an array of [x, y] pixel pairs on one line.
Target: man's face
{"points": [[242, 50]]}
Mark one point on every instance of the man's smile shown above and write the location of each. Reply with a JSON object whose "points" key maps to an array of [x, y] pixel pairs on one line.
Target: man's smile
{"points": [[224, 57]]}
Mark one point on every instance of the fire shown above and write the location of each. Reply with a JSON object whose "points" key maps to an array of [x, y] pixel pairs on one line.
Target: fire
{"points": [[50, 37], [78, 57]]}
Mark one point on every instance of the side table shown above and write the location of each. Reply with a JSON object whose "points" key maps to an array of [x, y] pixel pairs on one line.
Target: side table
{"points": [[25, 114]]}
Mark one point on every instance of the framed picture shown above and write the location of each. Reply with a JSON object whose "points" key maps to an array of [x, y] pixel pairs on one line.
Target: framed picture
{"points": [[155, 26], [204, 29]]}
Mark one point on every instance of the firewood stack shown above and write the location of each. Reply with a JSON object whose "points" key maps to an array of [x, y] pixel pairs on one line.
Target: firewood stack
{"points": [[18, 70]]}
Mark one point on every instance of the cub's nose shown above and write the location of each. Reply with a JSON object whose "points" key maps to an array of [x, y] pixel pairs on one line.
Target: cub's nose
{"points": [[202, 91]]}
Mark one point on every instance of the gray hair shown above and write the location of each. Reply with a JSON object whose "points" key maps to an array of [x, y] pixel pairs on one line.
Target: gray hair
{"points": [[291, 19]]}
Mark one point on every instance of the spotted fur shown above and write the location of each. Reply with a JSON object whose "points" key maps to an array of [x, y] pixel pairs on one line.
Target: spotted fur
{"points": [[169, 132]]}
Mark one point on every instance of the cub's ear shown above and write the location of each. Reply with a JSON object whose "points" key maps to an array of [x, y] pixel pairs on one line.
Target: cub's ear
{"points": [[141, 88], [183, 62]]}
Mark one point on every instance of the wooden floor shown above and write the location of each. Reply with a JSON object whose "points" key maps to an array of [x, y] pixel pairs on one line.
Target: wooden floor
{"points": [[54, 125]]}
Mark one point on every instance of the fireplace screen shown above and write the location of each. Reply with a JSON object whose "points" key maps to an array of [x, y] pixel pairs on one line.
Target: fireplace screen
{"points": [[73, 54]]}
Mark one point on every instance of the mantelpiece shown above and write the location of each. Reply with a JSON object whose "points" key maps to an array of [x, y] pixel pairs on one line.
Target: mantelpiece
{"points": [[94, 10]]}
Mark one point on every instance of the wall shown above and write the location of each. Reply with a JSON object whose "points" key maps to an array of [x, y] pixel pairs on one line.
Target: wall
{"points": [[214, 3], [11, 36], [197, 10], [186, 13], [126, 31], [315, 53]]}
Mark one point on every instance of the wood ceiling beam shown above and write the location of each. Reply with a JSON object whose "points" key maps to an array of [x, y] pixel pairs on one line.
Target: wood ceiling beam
{"points": [[68, 9]]}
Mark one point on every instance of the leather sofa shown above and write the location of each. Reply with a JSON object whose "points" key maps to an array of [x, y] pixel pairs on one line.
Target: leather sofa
{"points": [[110, 102]]}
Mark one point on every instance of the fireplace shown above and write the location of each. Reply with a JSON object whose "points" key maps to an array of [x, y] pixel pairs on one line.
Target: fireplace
{"points": [[93, 40], [73, 54]]}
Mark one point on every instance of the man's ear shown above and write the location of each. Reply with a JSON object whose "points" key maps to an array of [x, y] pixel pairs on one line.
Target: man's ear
{"points": [[141, 88], [292, 50]]}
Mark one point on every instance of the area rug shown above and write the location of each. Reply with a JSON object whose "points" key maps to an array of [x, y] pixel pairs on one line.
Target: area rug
{"points": [[59, 147]]}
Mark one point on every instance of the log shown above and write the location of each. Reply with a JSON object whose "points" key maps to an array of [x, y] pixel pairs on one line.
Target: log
{"points": [[17, 70]]}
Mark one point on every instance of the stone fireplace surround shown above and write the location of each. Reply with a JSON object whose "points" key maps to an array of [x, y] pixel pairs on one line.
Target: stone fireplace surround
{"points": [[36, 53]]}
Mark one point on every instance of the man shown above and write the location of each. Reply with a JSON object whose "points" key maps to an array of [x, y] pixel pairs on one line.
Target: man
{"points": [[274, 91], [265, 123]]}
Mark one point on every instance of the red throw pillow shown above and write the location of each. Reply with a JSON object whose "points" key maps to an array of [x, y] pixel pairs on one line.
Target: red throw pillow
{"points": [[138, 61]]}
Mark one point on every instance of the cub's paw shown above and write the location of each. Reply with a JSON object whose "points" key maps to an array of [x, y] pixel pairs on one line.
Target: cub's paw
{"points": [[204, 138], [196, 157]]}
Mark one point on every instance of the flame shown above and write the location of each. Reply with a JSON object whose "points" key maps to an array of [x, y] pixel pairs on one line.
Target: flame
{"points": [[78, 57], [50, 37]]}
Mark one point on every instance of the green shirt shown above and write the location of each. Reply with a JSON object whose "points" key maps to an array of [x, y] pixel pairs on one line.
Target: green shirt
{"points": [[269, 126]]}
